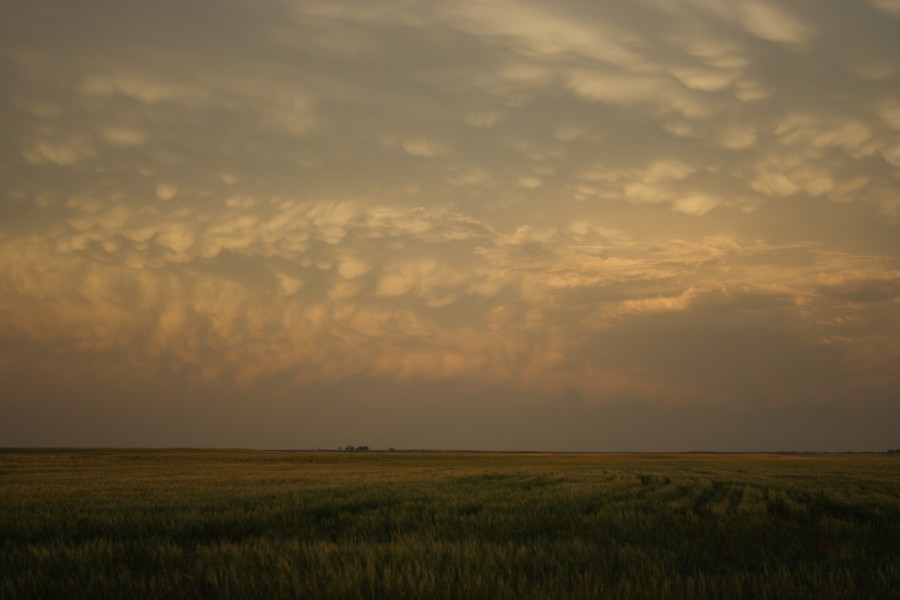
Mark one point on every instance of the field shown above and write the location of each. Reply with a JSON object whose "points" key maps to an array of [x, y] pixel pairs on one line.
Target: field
{"points": [[246, 524]]}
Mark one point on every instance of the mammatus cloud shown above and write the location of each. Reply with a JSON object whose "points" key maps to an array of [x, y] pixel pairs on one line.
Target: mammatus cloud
{"points": [[652, 203], [338, 290]]}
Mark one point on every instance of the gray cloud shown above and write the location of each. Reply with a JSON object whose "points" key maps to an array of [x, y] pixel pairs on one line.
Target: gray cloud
{"points": [[663, 203]]}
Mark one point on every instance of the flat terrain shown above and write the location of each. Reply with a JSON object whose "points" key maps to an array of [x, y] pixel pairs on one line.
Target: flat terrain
{"points": [[246, 524]]}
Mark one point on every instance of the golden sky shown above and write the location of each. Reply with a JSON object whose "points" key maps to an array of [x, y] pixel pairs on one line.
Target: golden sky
{"points": [[618, 225]]}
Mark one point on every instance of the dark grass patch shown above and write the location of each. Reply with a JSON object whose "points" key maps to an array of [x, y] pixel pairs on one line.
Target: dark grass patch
{"points": [[182, 524]]}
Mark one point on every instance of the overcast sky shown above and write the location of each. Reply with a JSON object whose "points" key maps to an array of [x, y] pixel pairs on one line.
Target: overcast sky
{"points": [[567, 225]]}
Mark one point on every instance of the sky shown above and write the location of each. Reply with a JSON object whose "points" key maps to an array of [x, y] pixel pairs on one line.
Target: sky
{"points": [[637, 225]]}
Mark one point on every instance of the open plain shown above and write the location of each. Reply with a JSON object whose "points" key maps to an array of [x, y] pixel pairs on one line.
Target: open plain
{"points": [[254, 524]]}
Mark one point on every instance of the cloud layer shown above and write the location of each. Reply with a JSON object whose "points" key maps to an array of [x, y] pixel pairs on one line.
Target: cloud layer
{"points": [[665, 204]]}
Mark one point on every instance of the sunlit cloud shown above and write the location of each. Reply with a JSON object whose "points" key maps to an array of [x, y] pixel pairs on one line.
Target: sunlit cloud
{"points": [[655, 203]]}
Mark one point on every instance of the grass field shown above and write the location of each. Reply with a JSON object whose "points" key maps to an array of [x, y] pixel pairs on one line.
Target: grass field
{"points": [[236, 524]]}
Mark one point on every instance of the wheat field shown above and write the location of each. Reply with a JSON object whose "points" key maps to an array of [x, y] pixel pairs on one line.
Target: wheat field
{"points": [[252, 524]]}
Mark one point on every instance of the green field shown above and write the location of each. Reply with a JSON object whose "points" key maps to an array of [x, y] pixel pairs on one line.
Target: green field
{"points": [[246, 524]]}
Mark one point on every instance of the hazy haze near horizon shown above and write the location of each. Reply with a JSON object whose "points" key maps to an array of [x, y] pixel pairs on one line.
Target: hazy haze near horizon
{"points": [[619, 225]]}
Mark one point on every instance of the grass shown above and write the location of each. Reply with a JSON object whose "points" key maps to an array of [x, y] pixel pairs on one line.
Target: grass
{"points": [[241, 524]]}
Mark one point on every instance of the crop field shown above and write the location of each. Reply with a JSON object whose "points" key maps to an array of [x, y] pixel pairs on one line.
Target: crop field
{"points": [[248, 524]]}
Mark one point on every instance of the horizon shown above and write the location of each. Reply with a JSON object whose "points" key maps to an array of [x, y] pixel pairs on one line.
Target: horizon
{"points": [[442, 450]]}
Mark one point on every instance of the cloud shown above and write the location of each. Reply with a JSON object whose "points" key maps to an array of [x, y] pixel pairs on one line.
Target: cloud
{"points": [[123, 136], [142, 89], [483, 120], [388, 326], [629, 90], [892, 155], [351, 268], [866, 286], [772, 22], [850, 135], [62, 153], [738, 138], [543, 200], [891, 7], [166, 192], [423, 148], [535, 29]]}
